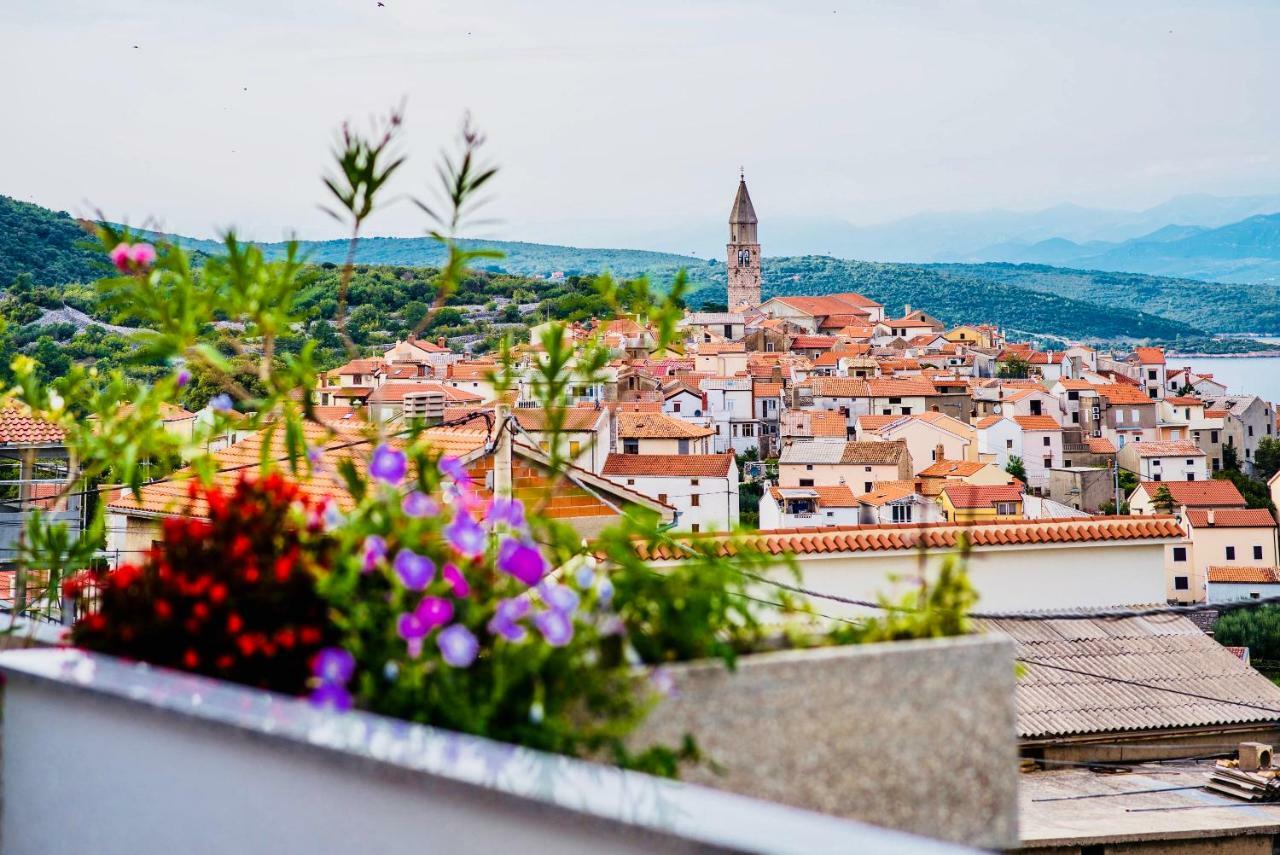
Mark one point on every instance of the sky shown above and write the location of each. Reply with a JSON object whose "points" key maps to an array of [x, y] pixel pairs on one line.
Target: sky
{"points": [[614, 123]]}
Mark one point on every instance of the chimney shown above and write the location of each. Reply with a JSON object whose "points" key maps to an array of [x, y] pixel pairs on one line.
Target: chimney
{"points": [[413, 336], [906, 310], [939, 453], [440, 341], [1209, 516]]}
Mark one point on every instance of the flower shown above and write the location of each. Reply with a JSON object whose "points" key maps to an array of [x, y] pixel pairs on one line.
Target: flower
{"points": [[121, 257], [663, 682], [333, 665], [315, 456], [419, 504], [556, 627], [585, 577], [465, 535], [455, 469], [560, 598], [142, 254], [504, 619], [434, 612], [327, 696], [458, 582], [221, 403], [375, 549], [604, 594], [504, 511], [411, 628], [388, 465], [183, 378], [458, 646], [519, 559], [415, 571]]}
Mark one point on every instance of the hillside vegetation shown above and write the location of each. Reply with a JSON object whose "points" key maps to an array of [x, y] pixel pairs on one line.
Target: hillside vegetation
{"points": [[43, 244]]}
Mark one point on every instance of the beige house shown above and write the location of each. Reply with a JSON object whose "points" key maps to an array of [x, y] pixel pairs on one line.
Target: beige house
{"points": [[832, 463], [931, 437], [584, 435], [1217, 538], [659, 433]]}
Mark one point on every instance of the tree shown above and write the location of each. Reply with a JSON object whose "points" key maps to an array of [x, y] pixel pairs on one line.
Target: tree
{"points": [[1230, 458], [1015, 468], [1014, 368], [1257, 629], [1163, 500], [1266, 460]]}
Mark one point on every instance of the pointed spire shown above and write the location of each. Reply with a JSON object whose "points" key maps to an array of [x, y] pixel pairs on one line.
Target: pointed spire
{"points": [[742, 213]]}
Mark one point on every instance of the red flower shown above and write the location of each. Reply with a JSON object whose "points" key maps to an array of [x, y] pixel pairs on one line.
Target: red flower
{"points": [[190, 660]]}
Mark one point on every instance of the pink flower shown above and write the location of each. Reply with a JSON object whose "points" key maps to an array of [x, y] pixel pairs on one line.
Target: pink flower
{"points": [[434, 612], [121, 257], [142, 255], [457, 581]]}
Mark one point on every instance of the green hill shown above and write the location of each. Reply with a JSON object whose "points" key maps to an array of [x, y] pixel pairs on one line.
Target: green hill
{"points": [[45, 245]]}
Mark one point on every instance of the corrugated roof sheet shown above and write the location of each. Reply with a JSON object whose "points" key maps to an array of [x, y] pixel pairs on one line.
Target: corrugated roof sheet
{"points": [[1165, 652]]}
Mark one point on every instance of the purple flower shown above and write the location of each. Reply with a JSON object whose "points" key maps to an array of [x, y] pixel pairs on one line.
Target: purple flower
{"points": [[184, 377], [503, 511], [333, 665], [458, 646], [434, 612], [327, 696], [452, 575], [556, 627], [465, 535], [221, 403], [388, 465], [521, 560], [504, 619], [663, 682], [375, 549], [560, 598], [455, 469], [419, 504], [604, 594], [415, 571], [585, 576], [411, 628], [315, 455]]}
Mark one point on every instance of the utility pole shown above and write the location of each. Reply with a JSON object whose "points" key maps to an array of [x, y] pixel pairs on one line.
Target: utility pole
{"points": [[1115, 474]]}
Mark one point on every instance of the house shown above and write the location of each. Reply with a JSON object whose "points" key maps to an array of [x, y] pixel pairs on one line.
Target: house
{"points": [[931, 437], [813, 313], [659, 433], [808, 507], [1184, 417], [943, 472], [1151, 370], [1125, 414], [766, 396], [684, 401], [473, 377], [1231, 584], [1181, 381], [1198, 495], [1164, 461], [897, 502], [1094, 690], [416, 400], [1032, 402], [964, 503], [830, 463], [1248, 419], [584, 434], [1012, 564], [1036, 440], [1228, 537], [730, 407], [436, 356], [811, 424], [701, 488], [729, 326]]}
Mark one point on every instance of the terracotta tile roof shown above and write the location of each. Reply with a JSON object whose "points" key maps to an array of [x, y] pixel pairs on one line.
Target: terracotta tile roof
{"points": [[360, 366], [341, 418], [1171, 651], [911, 536], [1214, 493], [941, 421], [1185, 401], [813, 342], [1149, 355], [982, 495], [952, 469], [1073, 385], [668, 465], [426, 346], [1169, 448], [657, 426], [987, 421], [839, 496], [840, 387], [764, 389], [389, 393], [873, 424], [1118, 394], [1256, 575], [168, 412], [831, 304], [1232, 518], [1038, 423], [900, 387], [470, 370], [1100, 445], [575, 418], [828, 451], [19, 428], [884, 492], [814, 423]]}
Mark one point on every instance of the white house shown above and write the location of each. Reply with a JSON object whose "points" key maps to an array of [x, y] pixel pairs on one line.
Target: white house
{"points": [[703, 488], [1228, 584], [806, 507], [731, 409], [1174, 460]]}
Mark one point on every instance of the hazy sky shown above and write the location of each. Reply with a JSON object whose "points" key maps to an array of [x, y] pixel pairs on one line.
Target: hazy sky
{"points": [[608, 117]]}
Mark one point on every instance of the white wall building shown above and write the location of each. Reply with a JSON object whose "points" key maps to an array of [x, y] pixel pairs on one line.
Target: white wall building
{"points": [[702, 488]]}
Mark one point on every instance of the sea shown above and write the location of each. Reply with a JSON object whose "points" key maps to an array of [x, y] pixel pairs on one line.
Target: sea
{"points": [[1255, 375]]}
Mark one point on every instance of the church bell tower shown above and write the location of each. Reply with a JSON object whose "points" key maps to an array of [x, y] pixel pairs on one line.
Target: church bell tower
{"points": [[743, 251]]}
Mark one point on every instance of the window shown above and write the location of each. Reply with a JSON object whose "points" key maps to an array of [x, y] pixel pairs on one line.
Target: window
{"points": [[867, 486], [1155, 462], [895, 400], [695, 528], [693, 482], [575, 448], [1073, 396], [1250, 430], [1155, 476], [682, 446], [1213, 437], [1066, 463], [1191, 463], [1046, 440], [1191, 476], [902, 513], [806, 482], [1151, 374], [748, 430], [1181, 583], [866, 468], [1005, 508], [1257, 553], [695, 500], [1048, 463], [662, 497], [1179, 553], [631, 446], [1133, 416], [675, 408], [808, 467], [886, 412], [1231, 553], [906, 411], [631, 482], [1008, 443]]}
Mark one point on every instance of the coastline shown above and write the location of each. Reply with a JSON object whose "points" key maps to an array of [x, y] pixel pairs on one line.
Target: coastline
{"points": [[1255, 354]]}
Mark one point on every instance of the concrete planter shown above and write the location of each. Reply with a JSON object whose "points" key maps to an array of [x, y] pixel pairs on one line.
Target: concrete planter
{"points": [[105, 756], [913, 735]]}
